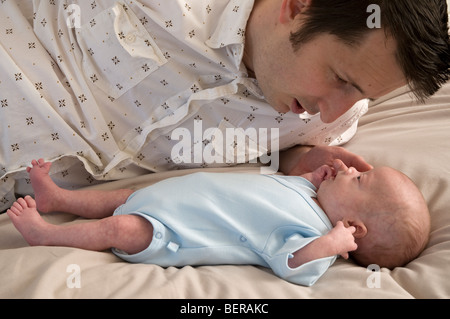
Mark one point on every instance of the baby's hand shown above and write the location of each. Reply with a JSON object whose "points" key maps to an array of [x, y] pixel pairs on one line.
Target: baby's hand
{"points": [[342, 239]]}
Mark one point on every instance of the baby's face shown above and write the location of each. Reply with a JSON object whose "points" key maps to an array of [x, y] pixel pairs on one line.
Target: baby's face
{"points": [[349, 191]]}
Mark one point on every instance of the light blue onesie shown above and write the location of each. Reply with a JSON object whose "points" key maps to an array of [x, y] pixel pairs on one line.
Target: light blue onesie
{"points": [[217, 218]]}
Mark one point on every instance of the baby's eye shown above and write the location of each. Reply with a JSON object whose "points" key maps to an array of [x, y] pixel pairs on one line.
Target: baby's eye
{"points": [[358, 178]]}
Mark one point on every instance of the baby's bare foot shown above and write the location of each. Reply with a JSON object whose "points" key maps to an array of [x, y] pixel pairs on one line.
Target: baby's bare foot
{"points": [[29, 223], [45, 190]]}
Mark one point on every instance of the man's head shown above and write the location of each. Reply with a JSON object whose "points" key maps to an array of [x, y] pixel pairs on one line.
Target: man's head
{"points": [[320, 55], [419, 28], [387, 209]]}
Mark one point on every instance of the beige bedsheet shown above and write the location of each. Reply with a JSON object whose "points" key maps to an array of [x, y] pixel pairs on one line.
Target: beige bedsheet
{"points": [[396, 132]]}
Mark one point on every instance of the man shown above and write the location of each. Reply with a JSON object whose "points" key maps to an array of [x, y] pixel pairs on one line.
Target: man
{"points": [[129, 87], [327, 60]]}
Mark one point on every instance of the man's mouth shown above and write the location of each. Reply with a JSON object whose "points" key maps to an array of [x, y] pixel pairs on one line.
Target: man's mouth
{"points": [[296, 107]]}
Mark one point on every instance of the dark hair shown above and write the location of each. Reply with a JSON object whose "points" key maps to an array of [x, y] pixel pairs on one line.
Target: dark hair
{"points": [[420, 29]]}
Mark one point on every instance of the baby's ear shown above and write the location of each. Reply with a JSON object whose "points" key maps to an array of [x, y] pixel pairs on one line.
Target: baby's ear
{"points": [[361, 229]]}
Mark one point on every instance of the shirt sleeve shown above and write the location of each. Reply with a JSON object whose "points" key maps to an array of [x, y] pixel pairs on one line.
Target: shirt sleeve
{"points": [[306, 274]]}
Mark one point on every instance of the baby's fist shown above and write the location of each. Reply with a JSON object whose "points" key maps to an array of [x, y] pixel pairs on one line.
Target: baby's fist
{"points": [[343, 239]]}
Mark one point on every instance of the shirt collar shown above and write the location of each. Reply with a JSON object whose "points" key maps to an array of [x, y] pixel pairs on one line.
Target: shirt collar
{"points": [[231, 24]]}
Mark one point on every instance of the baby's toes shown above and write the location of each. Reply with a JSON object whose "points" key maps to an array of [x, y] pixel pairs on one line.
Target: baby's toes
{"points": [[30, 201], [13, 212], [22, 203]]}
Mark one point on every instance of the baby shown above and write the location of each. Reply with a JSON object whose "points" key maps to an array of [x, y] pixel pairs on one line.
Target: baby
{"points": [[297, 226]]}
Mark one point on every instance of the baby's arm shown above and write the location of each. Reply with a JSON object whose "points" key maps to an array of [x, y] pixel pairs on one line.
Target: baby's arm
{"points": [[339, 241]]}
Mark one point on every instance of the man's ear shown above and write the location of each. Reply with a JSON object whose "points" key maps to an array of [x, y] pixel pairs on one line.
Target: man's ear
{"points": [[291, 8], [361, 229]]}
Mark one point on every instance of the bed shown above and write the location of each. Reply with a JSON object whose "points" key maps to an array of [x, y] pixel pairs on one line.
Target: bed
{"points": [[396, 131]]}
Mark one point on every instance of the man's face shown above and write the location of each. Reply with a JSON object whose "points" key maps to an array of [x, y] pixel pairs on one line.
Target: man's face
{"points": [[326, 75]]}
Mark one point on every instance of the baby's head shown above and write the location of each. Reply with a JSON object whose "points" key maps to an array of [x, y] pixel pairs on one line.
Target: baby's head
{"points": [[389, 213]]}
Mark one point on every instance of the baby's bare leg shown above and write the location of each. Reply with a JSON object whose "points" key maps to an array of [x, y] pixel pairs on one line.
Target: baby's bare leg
{"points": [[129, 233], [89, 204]]}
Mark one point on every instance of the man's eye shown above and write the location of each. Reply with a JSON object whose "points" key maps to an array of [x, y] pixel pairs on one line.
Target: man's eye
{"points": [[341, 80]]}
